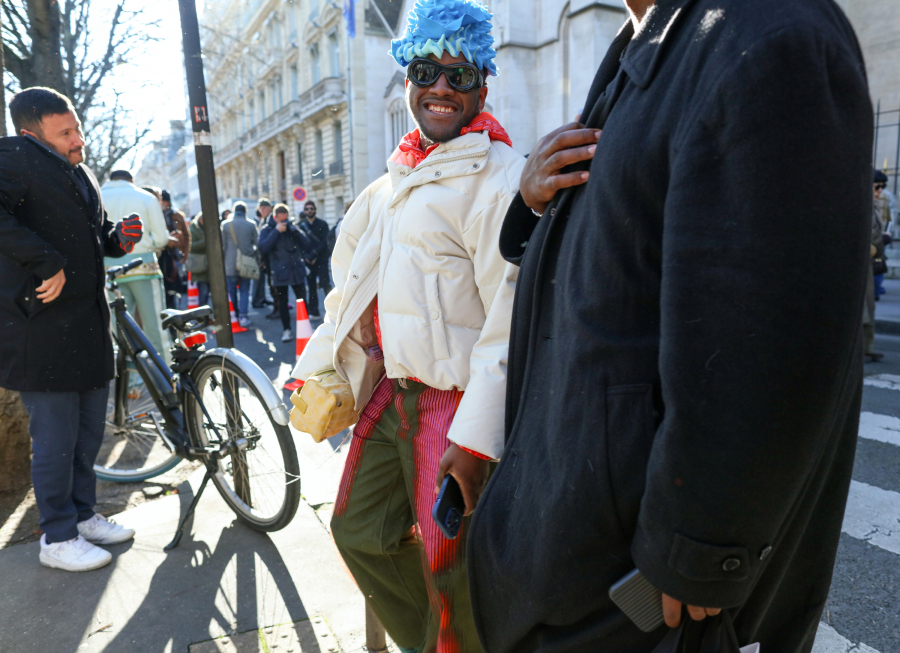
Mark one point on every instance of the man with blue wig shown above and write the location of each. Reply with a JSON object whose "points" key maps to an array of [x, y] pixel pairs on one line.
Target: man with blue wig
{"points": [[417, 329]]}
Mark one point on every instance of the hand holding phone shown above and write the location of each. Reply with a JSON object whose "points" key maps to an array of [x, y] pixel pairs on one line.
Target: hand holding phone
{"points": [[449, 508]]}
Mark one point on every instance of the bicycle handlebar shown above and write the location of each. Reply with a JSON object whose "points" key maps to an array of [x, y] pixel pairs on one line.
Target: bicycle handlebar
{"points": [[119, 270]]}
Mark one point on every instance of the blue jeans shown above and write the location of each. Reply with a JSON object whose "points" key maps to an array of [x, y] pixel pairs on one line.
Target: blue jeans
{"points": [[66, 433], [202, 293], [240, 297], [879, 285]]}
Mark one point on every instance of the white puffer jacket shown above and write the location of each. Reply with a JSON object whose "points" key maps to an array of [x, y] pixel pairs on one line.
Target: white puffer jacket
{"points": [[424, 240]]}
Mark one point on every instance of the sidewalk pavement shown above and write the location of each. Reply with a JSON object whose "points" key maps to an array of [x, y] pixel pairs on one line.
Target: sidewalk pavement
{"points": [[224, 588]]}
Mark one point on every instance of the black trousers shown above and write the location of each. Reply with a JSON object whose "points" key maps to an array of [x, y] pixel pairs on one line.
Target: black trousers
{"points": [[281, 297], [318, 276]]}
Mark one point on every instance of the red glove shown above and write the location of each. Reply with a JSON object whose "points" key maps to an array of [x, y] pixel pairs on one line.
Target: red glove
{"points": [[129, 232]]}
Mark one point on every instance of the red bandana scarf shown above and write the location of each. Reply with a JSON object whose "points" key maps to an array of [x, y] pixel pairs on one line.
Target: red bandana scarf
{"points": [[410, 152]]}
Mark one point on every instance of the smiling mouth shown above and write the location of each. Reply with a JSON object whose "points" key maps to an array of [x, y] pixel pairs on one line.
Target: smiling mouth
{"points": [[440, 110]]}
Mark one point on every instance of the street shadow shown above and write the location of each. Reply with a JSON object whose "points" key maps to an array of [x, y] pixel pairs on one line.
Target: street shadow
{"points": [[19, 517], [196, 589]]}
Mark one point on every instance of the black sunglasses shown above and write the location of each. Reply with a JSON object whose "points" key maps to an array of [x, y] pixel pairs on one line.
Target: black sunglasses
{"points": [[880, 186], [461, 76]]}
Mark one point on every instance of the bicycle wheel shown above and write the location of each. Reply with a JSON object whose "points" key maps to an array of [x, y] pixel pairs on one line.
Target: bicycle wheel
{"points": [[133, 450], [260, 479]]}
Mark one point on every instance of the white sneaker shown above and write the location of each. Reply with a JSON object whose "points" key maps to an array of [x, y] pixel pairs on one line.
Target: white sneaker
{"points": [[244, 321], [73, 555], [99, 530], [286, 336]]}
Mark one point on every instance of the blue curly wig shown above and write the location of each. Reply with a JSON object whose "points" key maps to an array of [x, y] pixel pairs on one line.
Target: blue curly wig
{"points": [[455, 26]]}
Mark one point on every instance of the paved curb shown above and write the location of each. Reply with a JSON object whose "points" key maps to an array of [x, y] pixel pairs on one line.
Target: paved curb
{"points": [[889, 327]]}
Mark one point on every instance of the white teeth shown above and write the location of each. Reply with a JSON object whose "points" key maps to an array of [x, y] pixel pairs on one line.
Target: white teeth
{"points": [[437, 109]]}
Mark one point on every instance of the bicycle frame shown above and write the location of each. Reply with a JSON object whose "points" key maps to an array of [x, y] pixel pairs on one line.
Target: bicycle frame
{"points": [[158, 379]]}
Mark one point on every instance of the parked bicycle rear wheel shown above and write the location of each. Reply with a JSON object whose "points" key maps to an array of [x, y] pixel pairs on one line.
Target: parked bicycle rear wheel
{"points": [[133, 451], [260, 480]]}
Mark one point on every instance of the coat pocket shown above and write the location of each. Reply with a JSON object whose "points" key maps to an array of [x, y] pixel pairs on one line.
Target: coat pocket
{"points": [[436, 317], [630, 429]]}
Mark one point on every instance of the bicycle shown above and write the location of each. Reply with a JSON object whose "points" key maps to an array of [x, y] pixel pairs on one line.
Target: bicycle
{"points": [[216, 406]]}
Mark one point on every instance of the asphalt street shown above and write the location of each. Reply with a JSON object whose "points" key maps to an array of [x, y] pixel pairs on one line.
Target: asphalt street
{"points": [[863, 607]]}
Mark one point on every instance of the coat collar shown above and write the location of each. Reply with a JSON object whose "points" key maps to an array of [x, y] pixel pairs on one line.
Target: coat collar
{"points": [[649, 44], [471, 145]]}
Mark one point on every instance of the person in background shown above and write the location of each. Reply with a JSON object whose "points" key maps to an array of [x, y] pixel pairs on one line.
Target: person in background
{"points": [[225, 214], [174, 257], [880, 213], [56, 349], [883, 211], [286, 247], [239, 234], [263, 211], [142, 288], [317, 230], [198, 264]]}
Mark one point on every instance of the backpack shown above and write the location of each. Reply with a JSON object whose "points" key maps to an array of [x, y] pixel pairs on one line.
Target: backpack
{"points": [[331, 239]]}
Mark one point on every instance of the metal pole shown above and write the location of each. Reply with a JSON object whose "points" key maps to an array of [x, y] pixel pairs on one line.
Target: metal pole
{"points": [[2, 87], [375, 637], [897, 156], [340, 209], [206, 172], [877, 127]]}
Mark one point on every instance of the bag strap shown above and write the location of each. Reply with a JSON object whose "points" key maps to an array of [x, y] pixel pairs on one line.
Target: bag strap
{"points": [[233, 237]]}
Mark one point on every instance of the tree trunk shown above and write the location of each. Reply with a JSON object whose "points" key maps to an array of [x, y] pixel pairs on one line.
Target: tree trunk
{"points": [[15, 443]]}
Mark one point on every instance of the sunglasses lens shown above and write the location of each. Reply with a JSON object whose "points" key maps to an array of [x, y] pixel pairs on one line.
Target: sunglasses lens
{"points": [[423, 73], [462, 78]]}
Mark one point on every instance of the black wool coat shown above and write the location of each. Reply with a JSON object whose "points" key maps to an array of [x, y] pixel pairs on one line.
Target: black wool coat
{"points": [[48, 225], [685, 370], [286, 253]]}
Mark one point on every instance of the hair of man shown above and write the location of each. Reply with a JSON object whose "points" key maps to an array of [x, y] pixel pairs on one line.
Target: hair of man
{"points": [[29, 106], [239, 207], [117, 175], [309, 203], [153, 190], [282, 208]]}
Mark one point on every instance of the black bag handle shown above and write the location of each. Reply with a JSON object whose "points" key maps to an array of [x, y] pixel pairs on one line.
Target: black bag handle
{"points": [[712, 635]]}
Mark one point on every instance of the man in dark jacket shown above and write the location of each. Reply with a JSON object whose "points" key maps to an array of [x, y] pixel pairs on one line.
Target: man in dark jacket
{"points": [[286, 247], [317, 261], [684, 388], [56, 348]]}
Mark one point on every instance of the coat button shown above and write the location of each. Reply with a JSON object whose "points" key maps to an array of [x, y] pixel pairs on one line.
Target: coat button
{"points": [[437, 174], [765, 553], [731, 564], [356, 276], [435, 315], [475, 167]]}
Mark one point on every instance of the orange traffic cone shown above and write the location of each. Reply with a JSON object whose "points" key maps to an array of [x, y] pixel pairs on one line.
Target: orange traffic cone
{"points": [[235, 327], [193, 294], [304, 333]]}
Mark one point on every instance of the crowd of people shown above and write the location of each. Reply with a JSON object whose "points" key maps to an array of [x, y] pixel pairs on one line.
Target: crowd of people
{"points": [[621, 349]]}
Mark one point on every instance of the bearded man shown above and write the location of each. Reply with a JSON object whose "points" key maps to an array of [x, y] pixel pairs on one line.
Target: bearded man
{"points": [[418, 325]]}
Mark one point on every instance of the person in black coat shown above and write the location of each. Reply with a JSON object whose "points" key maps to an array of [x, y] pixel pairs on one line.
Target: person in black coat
{"points": [[286, 247], [56, 348], [317, 261], [685, 371]]}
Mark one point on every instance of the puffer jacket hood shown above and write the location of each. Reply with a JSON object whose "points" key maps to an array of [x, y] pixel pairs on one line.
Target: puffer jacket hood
{"points": [[424, 240]]}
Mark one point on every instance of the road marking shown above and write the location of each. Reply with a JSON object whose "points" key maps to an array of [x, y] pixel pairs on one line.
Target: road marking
{"points": [[882, 428], [886, 381], [828, 640], [873, 516]]}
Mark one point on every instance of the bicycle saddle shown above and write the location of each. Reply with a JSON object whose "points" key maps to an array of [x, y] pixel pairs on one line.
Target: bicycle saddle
{"points": [[178, 319]]}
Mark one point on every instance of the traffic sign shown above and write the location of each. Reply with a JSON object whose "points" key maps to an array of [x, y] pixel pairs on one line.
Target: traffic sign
{"points": [[299, 194]]}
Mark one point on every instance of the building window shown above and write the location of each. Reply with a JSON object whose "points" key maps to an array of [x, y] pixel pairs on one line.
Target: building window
{"points": [[320, 150], [262, 105], [252, 111], [279, 87], [338, 141], [334, 55], [295, 85], [300, 164], [399, 126], [316, 68]]}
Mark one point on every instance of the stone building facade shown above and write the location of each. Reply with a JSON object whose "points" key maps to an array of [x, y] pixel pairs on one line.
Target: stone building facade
{"points": [[281, 78]]}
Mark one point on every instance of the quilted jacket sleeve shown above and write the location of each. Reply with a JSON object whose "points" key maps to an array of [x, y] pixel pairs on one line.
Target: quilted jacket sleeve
{"points": [[478, 424], [319, 352]]}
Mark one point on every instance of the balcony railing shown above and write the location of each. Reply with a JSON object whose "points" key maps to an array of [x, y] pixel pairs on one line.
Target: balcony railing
{"points": [[336, 168], [318, 174], [327, 93]]}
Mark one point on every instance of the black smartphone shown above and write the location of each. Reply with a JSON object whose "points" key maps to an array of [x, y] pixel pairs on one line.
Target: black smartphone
{"points": [[449, 508], [639, 600]]}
